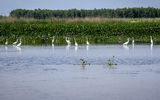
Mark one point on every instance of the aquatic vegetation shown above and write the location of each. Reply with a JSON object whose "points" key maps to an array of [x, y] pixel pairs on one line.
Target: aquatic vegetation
{"points": [[97, 33], [111, 61], [83, 62]]}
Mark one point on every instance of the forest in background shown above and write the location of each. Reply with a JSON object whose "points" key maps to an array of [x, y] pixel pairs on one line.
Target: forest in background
{"points": [[149, 12]]}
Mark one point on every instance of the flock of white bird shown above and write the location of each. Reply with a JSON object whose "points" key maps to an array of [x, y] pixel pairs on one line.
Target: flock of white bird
{"points": [[69, 42], [126, 43], [15, 43]]}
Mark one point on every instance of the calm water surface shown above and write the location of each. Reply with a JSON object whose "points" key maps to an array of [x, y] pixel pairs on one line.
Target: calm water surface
{"points": [[55, 73]]}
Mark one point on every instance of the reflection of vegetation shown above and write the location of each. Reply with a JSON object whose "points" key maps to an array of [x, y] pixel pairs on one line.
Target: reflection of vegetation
{"points": [[111, 61]]}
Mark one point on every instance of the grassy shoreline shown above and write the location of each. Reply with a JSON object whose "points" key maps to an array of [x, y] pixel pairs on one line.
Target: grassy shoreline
{"points": [[14, 20], [114, 31]]}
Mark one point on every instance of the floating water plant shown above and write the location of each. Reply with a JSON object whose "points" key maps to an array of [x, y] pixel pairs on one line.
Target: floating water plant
{"points": [[83, 62], [111, 61]]}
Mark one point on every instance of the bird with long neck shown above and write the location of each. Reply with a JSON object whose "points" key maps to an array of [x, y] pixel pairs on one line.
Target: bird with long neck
{"points": [[53, 40], [14, 43], [87, 42], [6, 43], [18, 45], [76, 44], [133, 41], [68, 41], [126, 42], [151, 40]]}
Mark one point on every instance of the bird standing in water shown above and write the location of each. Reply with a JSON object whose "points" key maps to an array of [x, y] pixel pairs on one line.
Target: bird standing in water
{"points": [[6, 43], [14, 43], [18, 45], [76, 44], [68, 41], [151, 40], [126, 42], [87, 42], [133, 41]]}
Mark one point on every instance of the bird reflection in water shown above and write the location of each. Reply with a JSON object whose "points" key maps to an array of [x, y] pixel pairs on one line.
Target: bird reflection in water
{"points": [[126, 47], [76, 48], [87, 47], [67, 47]]}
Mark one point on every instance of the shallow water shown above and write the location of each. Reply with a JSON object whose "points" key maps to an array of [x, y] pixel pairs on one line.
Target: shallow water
{"points": [[55, 73]]}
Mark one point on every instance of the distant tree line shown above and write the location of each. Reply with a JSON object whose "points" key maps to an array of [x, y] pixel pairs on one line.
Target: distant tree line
{"points": [[82, 13], [1, 16]]}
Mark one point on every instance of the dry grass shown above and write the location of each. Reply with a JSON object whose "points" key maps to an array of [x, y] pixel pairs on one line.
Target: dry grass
{"points": [[76, 20]]}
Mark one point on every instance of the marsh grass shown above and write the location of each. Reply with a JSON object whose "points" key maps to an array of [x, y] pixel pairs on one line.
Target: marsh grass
{"points": [[98, 30], [76, 20]]}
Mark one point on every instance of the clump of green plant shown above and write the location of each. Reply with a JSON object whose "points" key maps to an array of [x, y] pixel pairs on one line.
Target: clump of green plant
{"points": [[83, 62], [111, 61]]}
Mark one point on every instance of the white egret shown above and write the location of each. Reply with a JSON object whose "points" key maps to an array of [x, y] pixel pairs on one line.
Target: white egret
{"points": [[76, 44], [18, 45], [53, 40], [68, 41], [87, 42], [126, 42], [14, 43], [133, 41], [151, 40], [6, 43]]}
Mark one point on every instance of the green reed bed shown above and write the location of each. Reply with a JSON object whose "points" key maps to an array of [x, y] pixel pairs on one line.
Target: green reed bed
{"points": [[97, 33]]}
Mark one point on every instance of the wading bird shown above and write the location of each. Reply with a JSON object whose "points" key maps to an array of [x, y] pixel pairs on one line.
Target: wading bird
{"points": [[126, 42], [53, 40], [151, 40], [14, 43], [76, 44], [68, 41], [18, 45], [6, 43], [87, 42], [133, 41]]}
